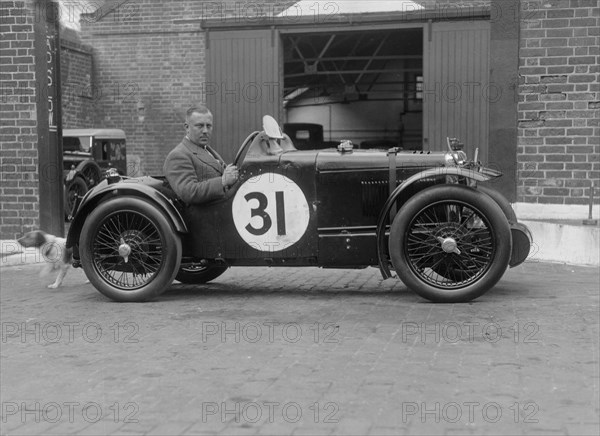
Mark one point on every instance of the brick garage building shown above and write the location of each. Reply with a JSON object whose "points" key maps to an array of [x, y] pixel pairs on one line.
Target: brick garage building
{"points": [[147, 61], [150, 63]]}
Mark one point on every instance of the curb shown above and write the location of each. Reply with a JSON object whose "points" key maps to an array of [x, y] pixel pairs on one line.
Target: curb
{"points": [[564, 242]]}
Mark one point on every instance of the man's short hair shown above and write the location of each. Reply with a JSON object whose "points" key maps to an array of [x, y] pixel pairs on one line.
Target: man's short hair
{"points": [[201, 109]]}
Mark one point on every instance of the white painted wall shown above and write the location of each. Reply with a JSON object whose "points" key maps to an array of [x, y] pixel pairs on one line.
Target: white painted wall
{"points": [[357, 121]]}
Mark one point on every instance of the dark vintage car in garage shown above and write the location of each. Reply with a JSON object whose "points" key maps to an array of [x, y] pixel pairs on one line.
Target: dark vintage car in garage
{"points": [[424, 215], [87, 154]]}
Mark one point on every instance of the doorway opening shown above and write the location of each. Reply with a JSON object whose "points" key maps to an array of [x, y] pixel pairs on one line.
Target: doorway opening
{"points": [[364, 86]]}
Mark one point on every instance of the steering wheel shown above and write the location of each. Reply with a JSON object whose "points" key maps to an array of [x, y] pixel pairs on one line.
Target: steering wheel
{"points": [[271, 129], [241, 154]]}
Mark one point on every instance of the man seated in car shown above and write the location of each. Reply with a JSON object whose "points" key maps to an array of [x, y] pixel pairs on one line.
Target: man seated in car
{"points": [[193, 168]]}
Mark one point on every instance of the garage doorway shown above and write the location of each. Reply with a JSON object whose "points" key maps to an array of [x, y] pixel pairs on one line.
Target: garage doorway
{"points": [[410, 85], [365, 86]]}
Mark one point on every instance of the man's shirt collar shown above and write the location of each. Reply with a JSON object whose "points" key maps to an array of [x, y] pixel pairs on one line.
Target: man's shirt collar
{"points": [[195, 143]]}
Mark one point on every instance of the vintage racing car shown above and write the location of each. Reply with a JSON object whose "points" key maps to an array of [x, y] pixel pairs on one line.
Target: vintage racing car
{"points": [[424, 215]]}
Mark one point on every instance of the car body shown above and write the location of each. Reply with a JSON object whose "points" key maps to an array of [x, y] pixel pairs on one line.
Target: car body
{"points": [[423, 214], [87, 154]]}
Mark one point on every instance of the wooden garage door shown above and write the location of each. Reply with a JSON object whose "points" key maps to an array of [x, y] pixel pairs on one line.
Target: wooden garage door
{"points": [[243, 84], [456, 85]]}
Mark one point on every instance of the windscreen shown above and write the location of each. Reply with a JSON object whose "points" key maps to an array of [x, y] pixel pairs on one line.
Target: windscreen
{"points": [[77, 144]]}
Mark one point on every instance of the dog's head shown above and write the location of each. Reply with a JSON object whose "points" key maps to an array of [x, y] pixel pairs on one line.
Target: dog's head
{"points": [[37, 238]]}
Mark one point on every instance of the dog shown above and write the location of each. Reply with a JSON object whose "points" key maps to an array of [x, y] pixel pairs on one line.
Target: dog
{"points": [[54, 251]]}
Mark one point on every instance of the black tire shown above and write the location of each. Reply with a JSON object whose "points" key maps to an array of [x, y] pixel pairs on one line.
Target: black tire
{"points": [[509, 212], [450, 243], [74, 189], [155, 250], [506, 208], [91, 173], [195, 275]]}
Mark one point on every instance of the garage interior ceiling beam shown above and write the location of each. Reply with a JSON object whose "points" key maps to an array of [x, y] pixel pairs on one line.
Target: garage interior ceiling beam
{"points": [[344, 62], [354, 58], [324, 50], [359, 72], [370, 61]]}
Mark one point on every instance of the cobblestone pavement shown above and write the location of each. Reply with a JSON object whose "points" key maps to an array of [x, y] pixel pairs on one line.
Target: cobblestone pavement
{"points": [[301, 351]]}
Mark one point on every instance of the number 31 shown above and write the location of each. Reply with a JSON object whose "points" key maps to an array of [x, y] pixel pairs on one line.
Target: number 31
{"points": [[261, 212]]}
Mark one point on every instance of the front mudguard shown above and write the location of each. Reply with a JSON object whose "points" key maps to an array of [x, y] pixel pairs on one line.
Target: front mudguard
{"points": [[521, 235], [134, 187], [522, 240]]}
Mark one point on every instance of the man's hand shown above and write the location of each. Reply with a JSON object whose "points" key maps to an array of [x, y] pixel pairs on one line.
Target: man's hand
{"points": [[230, 176]]}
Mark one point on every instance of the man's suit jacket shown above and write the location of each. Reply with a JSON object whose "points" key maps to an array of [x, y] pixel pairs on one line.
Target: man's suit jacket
{"points": [[194, 173]]}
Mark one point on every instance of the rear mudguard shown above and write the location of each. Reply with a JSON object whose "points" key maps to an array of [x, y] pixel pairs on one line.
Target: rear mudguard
{"points": [[433, 174], [133, 187]]}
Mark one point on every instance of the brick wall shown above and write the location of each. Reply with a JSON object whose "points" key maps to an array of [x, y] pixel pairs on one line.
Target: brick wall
{"points": [[449, 4], [76, 83], [149, 67], [19, 196], [559, 108]]}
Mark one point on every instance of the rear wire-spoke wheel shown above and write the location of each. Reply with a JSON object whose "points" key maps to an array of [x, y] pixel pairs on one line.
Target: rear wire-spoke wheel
{"points": [[129, 251], [450, 243], [198, 274]]}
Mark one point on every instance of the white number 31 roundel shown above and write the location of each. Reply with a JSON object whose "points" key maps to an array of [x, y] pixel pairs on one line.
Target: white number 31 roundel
{"points": [[270, 212]]}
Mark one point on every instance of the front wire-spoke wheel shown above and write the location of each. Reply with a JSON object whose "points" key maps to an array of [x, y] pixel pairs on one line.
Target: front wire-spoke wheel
{"points": [[433, 240], [450, 243], [129, 251]]}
